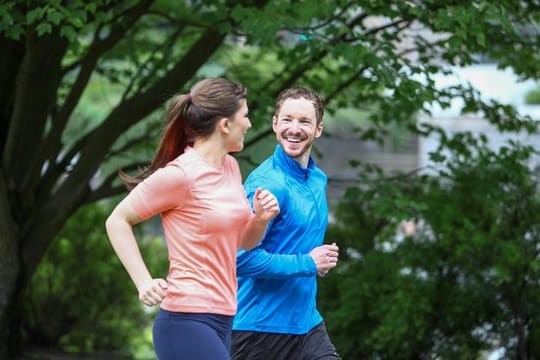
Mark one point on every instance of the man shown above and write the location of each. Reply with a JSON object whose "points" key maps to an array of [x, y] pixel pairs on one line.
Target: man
{"points": [[277, 317]]}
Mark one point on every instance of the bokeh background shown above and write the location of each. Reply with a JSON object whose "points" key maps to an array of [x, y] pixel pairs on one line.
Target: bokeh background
{"points": [[431, 147]]}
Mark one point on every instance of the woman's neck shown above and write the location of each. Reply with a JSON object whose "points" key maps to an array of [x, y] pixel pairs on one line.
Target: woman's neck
{"points": [[211, 150]]}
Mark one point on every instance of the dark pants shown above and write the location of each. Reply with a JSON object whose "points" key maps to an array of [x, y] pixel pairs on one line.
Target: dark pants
{"points": [[189, 336], [315, 345]]}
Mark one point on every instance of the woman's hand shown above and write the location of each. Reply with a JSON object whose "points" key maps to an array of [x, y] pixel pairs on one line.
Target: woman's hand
{"points": [[152, 292], [265, 205]]}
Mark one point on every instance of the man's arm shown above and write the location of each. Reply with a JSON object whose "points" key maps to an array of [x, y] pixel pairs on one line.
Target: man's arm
{"points": [[260, 263]]}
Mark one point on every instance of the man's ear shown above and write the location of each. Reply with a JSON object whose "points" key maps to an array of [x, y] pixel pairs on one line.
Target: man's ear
{"points": [[274, 122], [319, 129]]}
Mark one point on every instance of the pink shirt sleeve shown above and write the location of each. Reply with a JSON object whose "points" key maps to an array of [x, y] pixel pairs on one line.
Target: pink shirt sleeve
{"points": [[161, 191]]}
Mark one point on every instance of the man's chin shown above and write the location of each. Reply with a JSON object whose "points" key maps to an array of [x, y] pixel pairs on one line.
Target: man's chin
{"points": [[293, 152]]}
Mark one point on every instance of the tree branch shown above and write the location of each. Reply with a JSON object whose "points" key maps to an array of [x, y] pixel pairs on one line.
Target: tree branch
{"points": [[70, 194], [136, 77], [10, 61], [297, 73], [327, 22], [99, 46], [52, 145], [107, 189], [34, 98]]}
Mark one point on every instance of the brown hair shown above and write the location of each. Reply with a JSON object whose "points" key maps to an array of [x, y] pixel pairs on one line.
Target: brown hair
{"points": [[190, 116], [301, 92]]}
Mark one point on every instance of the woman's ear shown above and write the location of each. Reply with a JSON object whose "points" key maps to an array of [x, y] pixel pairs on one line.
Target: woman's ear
{"points": [[223, 125]]}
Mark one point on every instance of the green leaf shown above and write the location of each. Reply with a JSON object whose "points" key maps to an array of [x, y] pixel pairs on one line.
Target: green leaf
{"points": [[14, 32], [91, 7], [54, 17], [69, 32], [34, 15], [481, 38], [44, 28]]}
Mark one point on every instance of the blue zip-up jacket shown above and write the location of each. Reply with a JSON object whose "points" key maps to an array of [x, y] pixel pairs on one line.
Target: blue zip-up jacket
{"points": [[277, 280]]}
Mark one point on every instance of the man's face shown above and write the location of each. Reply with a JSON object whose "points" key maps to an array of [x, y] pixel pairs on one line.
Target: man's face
{"points": [[296, 128]]}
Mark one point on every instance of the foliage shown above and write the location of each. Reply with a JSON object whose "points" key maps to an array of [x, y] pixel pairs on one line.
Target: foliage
{"points": [[464, 283], [81, 298], [371, 54], [533, 97]]}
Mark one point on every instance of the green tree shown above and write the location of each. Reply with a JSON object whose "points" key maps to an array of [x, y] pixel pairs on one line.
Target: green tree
{"points": [[353, 52], [464, 283], [80, 298]]}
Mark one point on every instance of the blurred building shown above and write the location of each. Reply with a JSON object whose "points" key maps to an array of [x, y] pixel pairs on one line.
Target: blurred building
{"points": [[335, 152]]}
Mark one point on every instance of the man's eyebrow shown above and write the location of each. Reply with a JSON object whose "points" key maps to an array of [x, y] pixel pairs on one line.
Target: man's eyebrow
{"points": [[292, 116]]}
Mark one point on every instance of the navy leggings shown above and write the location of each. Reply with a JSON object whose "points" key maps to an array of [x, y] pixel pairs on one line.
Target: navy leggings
{"points": [[189, 336]]}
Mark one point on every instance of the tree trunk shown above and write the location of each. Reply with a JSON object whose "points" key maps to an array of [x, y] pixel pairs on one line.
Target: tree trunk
{"points": [[9, 276], [35, 200], [521, 334]]}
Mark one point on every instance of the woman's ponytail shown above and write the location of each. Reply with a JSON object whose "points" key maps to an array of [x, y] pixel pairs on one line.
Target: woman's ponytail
{"points": [[173, 141]]}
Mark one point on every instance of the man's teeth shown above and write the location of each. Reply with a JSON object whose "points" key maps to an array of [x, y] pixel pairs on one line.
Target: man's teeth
{"points": [[293, 140]]}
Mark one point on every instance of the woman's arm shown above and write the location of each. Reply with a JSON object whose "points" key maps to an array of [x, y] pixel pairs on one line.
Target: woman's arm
{"points": [[119, 227]]}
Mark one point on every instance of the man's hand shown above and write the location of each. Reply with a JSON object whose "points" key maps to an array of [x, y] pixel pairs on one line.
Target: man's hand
{"points": [[325, 258]]}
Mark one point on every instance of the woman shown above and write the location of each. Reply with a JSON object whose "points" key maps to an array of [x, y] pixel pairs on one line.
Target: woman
{"points": [[196, 187]]}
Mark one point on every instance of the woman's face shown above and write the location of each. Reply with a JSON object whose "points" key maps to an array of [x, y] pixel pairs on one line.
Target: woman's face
{"points": [[238, 126]]}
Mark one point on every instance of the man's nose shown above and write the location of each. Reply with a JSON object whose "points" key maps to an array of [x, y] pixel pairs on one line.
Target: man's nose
{"points": [[295, 125]]}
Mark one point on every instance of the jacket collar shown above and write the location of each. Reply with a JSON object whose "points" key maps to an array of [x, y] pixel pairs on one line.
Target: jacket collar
{"points": [[291, 167]]}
